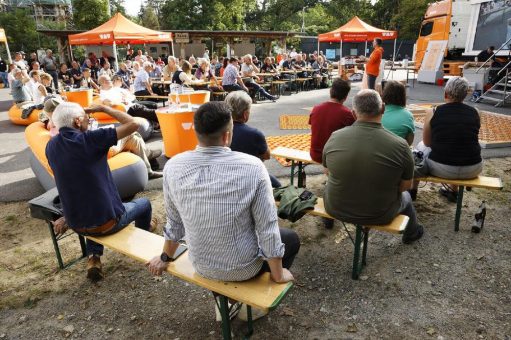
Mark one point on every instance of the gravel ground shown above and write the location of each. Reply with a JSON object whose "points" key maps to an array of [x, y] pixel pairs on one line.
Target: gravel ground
{"points": [[446, 286]]}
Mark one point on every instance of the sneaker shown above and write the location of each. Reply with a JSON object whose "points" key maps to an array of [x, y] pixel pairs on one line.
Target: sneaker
{"points": [[328, 222], [451, 196], [155, 174], [234, 309], [410, 239], [94, 269], [256, 313]]}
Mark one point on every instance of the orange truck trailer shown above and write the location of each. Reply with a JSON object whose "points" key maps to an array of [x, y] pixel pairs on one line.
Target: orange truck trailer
{"points": [[469, 26]]}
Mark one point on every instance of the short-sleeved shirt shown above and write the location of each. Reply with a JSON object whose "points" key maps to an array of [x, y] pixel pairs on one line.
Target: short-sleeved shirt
{"points": [[247, 70], [230, 75], [325, 119], [66, 77], [76, 72], [288, 65], [366, 165], [19, 92], [248, 140], [79, 163], [398, 120], [140, 80], [49, 64]]}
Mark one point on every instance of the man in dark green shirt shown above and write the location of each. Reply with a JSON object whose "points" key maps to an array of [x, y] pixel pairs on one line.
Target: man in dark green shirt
{"points": [[370, 170]]}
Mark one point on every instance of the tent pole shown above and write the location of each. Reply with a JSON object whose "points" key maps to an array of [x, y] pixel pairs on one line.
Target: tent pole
{"points": [[394, 54], [8, 51], [365, 49], [340, 52], [116, 66], [318, 46]]}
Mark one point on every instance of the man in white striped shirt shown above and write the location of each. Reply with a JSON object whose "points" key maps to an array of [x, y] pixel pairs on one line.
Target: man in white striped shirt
{"points": [[221, 201]]}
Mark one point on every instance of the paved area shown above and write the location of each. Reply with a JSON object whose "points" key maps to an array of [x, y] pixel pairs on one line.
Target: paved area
{"points": [[17, 182]]}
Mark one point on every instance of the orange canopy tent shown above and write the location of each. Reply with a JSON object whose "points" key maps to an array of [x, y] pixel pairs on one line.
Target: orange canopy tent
{"points": [[357, 30], [119, 30]]}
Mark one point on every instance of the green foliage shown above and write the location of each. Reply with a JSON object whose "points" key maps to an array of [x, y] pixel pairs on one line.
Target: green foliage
{"points": [[117, 6], [88, 14], [20, 29], [148, 18], [409, 17]]}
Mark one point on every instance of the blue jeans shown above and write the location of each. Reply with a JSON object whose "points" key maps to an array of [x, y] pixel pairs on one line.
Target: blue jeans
{"points": [[3, 77], [138, 210]]}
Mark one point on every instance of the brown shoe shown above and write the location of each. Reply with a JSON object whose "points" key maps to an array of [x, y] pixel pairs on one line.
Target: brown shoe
{"points": [[153, 225], [94, 269]]}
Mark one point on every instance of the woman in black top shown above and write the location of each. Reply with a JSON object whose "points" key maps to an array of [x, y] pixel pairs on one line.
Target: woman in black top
{"points": [[65, 76], [451, 133]]}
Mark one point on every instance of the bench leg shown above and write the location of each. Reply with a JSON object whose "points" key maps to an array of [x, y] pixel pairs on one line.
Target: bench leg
{"points": [[58, 254], [226, 321], [250, 325], [364, 251], [55, 245], [357, 265], [292, 171], [459, 204]]}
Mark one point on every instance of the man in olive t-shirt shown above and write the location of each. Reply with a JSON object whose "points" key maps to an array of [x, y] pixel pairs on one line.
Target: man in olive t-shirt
{"points": [[370, 170]]}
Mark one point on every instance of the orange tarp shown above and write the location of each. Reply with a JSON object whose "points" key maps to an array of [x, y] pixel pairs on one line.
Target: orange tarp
{"points": [[357, 30], [120, 30]]}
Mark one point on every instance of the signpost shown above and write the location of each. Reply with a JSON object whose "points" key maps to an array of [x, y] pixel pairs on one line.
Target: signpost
{"points": [[182, 38]]}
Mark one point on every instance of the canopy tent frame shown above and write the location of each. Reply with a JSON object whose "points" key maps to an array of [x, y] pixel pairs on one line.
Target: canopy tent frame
{"points": [[3, 38], [356, 30], [119, 30]]}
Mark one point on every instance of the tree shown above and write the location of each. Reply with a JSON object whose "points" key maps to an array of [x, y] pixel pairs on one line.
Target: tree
{"points": [[117, 6], [409, 17], [383, 13], [20, 29], [88, 14], [148, 18]]}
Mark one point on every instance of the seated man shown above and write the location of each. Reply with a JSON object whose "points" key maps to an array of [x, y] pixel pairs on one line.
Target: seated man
{"points": [[231, 80], [19, 91], [89, 197], [370, 170], [249, 72], [328, 117], [222, 201], [247, 139], [110, 95], [133, 143]]}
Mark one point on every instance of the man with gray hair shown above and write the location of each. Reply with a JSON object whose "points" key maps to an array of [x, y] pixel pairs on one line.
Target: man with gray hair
{"points": [[247, 139], [168, 71], [89, 197], [372, 189]]}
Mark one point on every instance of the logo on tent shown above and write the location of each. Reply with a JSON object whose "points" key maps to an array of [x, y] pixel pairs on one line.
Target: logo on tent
{"points": [[104, 36], [187, 126]]}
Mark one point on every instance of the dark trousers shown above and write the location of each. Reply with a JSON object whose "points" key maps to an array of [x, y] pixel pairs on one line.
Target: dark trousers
{"points": [[138, 210], [140, 110], [148, 104], [232, 88], [292, 243], [275, 183], [258, 88], [371, 82], [55, 76], [407, 209]]}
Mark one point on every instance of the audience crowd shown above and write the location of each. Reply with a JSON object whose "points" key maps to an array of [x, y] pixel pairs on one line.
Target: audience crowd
{"points": [[365, 151]]}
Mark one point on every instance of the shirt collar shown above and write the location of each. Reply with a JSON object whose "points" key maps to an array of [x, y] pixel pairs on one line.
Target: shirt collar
{"points": [[368, 124], [212, 149]]}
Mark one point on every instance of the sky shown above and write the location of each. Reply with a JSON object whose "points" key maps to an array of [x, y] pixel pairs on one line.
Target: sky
{"points": [[132, 6]]}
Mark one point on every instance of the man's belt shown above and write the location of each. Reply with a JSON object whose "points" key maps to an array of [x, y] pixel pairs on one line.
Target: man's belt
{"points": [[102, 229]]}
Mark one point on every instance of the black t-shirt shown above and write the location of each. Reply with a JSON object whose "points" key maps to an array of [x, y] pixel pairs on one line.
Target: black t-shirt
{"points": [[75, 72], [455, 135], [3, 66], [484, 55], [248, 140], [288, 65], [66, 77]]}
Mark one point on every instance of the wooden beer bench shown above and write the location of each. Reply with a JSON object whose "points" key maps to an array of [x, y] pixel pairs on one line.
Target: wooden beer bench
{"points": [[299, 159], [484, 182]]}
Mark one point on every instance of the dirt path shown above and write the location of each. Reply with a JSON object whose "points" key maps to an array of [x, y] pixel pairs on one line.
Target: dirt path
{"points": [[446, 286]]}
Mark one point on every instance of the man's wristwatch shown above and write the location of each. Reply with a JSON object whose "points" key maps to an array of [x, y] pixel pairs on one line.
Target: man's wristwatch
{"points": [[165, 258]]}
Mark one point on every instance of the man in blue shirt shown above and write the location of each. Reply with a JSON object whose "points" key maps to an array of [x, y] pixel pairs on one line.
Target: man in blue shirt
{"points": [[90, 200], [247, 139]]}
